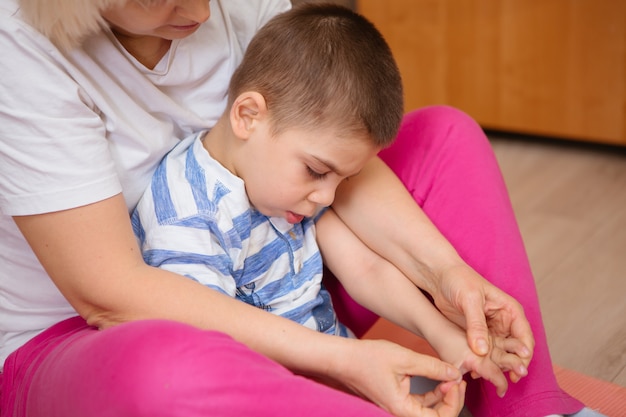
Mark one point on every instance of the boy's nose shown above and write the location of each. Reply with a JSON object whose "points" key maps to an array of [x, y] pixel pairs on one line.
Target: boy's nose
{"points": [[323, 197]]}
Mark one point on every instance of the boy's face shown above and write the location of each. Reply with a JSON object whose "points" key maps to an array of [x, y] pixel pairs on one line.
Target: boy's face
{"points": [[295, 173]]}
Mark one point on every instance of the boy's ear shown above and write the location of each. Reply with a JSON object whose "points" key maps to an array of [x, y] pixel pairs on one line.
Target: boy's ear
{"points": [[248, 109]]}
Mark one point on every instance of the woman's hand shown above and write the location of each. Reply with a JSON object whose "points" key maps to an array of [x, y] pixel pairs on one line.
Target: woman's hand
{"points": [[486, 312], [505, 354], [405, 236], [381, 371]]}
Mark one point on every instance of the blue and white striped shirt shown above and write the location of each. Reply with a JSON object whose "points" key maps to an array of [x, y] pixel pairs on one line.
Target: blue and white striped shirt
{"points": [[195, 219]]}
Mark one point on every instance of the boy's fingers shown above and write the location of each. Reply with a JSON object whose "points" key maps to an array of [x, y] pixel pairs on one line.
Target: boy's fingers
{"points": [[492, 373]]}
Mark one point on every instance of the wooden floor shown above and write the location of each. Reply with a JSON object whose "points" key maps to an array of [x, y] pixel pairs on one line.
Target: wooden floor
{"points": [[570, 201]]}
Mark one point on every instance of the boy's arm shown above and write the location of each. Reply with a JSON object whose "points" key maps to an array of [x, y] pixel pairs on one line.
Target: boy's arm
{"points": [[374, 282], [381, 287], [406, 237]]}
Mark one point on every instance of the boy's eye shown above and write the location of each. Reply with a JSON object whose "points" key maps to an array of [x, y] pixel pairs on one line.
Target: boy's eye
{"points": [[314, 174]]}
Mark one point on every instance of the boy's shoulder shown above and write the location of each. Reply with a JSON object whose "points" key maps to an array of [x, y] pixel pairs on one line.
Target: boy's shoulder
{"points": [[189, 183]]}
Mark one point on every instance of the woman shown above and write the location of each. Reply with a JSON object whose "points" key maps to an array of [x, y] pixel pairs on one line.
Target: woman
{"points": [[87, 114]]}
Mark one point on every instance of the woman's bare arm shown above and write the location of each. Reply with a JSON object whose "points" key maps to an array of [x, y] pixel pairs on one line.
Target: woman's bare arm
{"points": [[380, 211], [378, 285], [92, 256], [378, 208]]}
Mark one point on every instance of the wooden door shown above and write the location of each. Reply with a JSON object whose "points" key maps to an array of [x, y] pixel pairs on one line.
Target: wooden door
{"points": [[546, 67]]}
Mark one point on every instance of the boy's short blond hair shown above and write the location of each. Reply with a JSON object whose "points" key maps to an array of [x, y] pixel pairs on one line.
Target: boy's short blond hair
{"points": [[320, 66], [68, 22]]}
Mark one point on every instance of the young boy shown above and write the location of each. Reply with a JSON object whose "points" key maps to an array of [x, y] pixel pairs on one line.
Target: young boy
{"points": [[243, 207]]}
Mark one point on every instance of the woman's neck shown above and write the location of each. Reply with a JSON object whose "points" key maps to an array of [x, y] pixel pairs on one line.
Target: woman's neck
{"points": [[148, 50]]}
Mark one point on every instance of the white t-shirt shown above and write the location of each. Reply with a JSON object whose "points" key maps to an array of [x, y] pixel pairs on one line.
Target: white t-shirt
{"points": [[81, 127]]}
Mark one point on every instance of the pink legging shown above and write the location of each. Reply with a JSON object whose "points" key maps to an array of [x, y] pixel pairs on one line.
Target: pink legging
{"points": [[160, 368]]}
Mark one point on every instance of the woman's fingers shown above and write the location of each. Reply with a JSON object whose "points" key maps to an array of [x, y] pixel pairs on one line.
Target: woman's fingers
{"points": [[517, 347], [476, 324], [433, 397], [430, 367], [452, 402], [445, 401], [520, 330], [509, 355]]}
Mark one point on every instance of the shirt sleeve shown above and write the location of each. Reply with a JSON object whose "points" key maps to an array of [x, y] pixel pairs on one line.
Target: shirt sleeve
{"points": [[53, 149], [192, 248], [190, 243]]}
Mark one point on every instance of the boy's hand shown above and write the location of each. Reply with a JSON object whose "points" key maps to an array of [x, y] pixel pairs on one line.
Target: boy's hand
{"points": [[380, 371], [501, 359], [504, 356]]}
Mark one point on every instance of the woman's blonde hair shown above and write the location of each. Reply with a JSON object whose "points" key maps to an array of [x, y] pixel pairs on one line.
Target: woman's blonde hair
{"points": [[68, 22]]}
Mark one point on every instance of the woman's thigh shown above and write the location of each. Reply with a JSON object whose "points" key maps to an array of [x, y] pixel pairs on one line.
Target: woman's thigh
{"points": [[158, 368]]}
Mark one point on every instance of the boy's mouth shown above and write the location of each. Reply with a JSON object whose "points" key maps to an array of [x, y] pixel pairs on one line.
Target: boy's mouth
{"points": [[293, 218]]}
